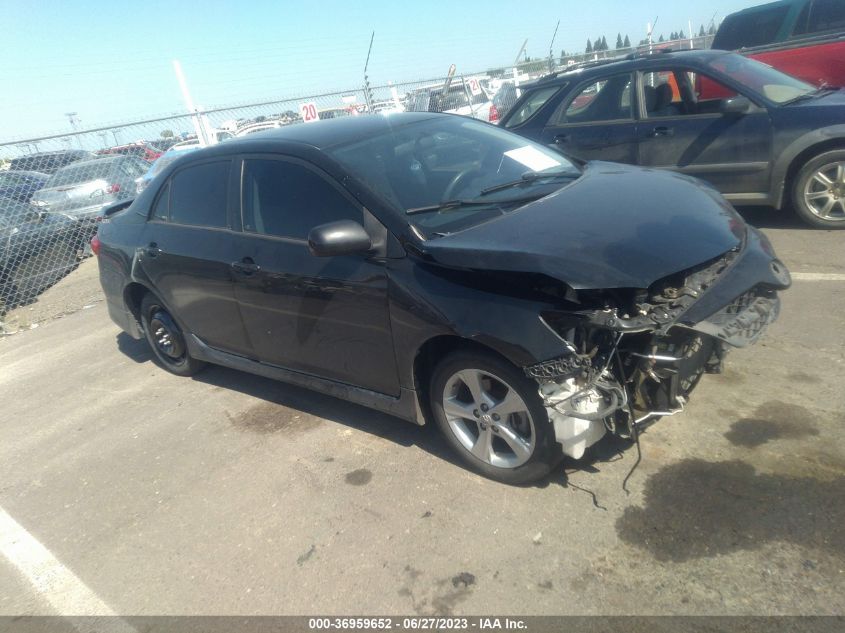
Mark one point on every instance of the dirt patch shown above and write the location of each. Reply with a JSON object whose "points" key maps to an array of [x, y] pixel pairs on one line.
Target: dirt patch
{"points": [[807, 379], [268, 417], [697, 509], [771, 421], [78, 290], [360, 477]]}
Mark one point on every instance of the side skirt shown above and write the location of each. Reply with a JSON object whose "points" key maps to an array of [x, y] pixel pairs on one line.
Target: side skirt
{"points": [[406, 406]]}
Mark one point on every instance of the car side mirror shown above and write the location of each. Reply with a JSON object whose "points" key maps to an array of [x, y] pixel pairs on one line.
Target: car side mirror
{"points": [[736, 106], [344, 237]]}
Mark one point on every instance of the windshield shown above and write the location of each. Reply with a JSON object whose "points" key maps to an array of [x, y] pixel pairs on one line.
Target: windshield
{"points": [[451, 158], [764, 80], [81, 172]]}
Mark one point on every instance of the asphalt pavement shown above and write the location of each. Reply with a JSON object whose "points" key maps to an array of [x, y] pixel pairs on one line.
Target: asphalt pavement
{"points": [[124, 489]]}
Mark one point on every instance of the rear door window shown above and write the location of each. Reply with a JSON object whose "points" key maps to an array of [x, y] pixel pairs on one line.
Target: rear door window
{"points": [[602, 100], [534, 100], [826, 15], [198, 195]]}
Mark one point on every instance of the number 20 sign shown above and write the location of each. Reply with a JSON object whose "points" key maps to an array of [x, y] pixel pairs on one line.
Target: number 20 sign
{"points": [[308, 112]]}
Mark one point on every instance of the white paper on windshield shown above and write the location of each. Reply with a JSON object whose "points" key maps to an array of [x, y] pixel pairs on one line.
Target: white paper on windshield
{"points": [[533, 158]]}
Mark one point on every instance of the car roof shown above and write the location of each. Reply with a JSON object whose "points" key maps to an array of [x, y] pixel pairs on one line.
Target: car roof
{"points": [[635, 61], [108, 158], [767, 6], [332, 132], [58, 152]]}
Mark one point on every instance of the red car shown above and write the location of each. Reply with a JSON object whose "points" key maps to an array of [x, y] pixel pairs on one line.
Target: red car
{"points": [[803, 38], [143, 151]]}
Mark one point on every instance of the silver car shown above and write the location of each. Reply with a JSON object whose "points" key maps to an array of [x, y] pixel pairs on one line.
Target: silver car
{"points": [[82, 189]]}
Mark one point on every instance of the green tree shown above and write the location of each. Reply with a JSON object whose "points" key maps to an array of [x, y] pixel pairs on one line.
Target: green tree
{"points": [[661, 38], [627, 42], [619, 43], [681, 36], [604, 45], [167, 134], [701, 31], [589, 48], [712, 29]]}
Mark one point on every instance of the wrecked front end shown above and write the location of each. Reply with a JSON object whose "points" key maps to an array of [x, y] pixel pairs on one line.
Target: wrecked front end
{"points": [[635, 355]]}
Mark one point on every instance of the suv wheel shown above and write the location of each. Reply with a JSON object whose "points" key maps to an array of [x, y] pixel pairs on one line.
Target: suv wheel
{"points": [[492, 416], [818, 193], [166, 339]]}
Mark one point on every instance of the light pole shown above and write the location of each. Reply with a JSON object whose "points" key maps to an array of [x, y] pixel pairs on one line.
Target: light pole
{"points": [[74, 122]]}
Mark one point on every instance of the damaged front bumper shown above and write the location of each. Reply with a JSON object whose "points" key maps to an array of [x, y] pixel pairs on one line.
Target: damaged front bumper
{"points": [[628, 366]]}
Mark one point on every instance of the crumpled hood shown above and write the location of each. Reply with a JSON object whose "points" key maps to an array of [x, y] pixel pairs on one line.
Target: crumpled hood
{"points": [[616, 227]]}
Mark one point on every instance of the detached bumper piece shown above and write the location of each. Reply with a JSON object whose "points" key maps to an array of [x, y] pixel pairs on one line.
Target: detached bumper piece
{"points": [[743, 321]]}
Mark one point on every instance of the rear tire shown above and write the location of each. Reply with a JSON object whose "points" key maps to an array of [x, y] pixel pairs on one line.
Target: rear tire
{"points": [[492, 416], [166, 339], [818, 191]]}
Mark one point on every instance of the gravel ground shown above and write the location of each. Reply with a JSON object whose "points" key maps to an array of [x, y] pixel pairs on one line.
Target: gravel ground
{"points": [[80, 289]]}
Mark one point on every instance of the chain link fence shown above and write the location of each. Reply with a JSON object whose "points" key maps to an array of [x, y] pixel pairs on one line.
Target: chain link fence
{"points": [[53, 188]]}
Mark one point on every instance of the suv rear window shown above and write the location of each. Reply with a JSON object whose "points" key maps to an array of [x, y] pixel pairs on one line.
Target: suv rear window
{"points": [[826, 15], [746, 30], [532, 101]]}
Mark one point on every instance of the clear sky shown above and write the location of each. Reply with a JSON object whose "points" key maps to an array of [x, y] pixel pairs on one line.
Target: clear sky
{"points": [[111, 61]]}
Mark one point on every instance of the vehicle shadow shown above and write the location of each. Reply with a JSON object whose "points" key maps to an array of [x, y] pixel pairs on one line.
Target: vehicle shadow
{"points": [[358, 417], [137, 350], [327, 407], [771, 218]]}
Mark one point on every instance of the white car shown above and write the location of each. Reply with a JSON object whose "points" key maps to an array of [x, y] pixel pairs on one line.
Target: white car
{"points": [[252, 128], [466, 97]]}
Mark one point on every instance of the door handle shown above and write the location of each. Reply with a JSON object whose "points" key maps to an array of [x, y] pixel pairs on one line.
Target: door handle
{"points": [[246, 266], [562, 138], [152, 250], [662, 130]]}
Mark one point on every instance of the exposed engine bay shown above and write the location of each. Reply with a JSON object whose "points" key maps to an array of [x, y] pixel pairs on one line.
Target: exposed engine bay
{"points": [[634, 359]]}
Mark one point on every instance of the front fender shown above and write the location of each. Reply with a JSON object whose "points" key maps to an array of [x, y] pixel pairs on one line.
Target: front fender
{"points": [[786, 157]]}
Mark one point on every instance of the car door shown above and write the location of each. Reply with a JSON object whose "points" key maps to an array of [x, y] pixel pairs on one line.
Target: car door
{"points": [[596, 121], [325, 316], [187, 252], [683, 128]]}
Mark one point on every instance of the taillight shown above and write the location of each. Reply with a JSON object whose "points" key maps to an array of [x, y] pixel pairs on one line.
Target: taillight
{"points": [[113, 188], [95, 244], [493, 116]]}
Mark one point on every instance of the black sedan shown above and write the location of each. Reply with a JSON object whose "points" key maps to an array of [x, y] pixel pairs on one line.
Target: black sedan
{"points": [[442, 269], [21, 185], [36, 250], [759, 136]]}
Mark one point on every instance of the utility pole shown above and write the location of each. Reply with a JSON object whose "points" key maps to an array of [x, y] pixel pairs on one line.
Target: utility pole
{"points": [[551, 49], [368, 94], [651, 26], [516, 68], [189, 104], [74, 122]]}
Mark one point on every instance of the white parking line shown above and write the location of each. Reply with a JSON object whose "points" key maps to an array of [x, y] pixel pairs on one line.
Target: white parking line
{"points": [[58, 585], [818, 276]]}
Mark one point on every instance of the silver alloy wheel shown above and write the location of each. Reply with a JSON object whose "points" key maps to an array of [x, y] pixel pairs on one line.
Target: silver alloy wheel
{"points": [[489, 418], [824, 193]]}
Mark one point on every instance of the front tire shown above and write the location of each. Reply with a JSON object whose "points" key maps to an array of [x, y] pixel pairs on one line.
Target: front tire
{"points": [[166, 339], [818, 192], [492, 416]]}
